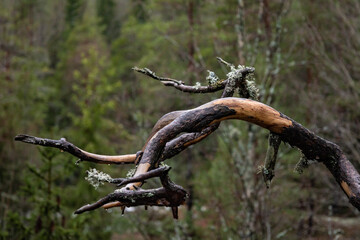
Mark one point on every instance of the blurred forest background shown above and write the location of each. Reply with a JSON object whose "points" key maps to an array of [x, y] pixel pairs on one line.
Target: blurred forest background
{"points": [[65, 71]]}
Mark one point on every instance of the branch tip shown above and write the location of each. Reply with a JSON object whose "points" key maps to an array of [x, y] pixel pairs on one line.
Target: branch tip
{"points": [[25, 138], [175, 212], [225, 62]]}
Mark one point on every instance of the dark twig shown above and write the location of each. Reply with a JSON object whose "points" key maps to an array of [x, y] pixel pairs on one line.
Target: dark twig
{"points": [[127, 198], [180, 84], [74, 150], [268, 170], [229, 65], [150, 174], [170, 195], [153, 75]]}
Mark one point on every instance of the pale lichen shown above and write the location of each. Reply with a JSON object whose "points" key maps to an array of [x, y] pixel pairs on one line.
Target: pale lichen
{"points": [[131, 172], [162, 164], [212, 78], [235, 73], [150, 194], [97, 178], [197, 85], [246, 81], [251, 87]]}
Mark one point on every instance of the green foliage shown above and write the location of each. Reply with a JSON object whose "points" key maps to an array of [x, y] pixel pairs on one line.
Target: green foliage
{"points": [[106, 14], [48, 215], [74, 11]]}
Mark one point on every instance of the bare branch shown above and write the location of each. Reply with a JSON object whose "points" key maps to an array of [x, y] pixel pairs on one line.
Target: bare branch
{"points": [[311, 145], [179, 84], [170, 195], [129, 198], [196, 124], [140, 178], [153, 75], [197, 89], [182, 142], [229, 65], [74, 150]]}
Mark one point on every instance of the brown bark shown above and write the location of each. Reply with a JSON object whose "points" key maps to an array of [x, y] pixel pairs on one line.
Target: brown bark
{"points": [[66, 146], [312, 146]]}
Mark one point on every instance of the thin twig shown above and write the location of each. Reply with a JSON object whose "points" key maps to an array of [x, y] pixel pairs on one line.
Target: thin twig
{"points": [[150, 174], [179, 84], [229, 65], [153, 75], [197, 89]]}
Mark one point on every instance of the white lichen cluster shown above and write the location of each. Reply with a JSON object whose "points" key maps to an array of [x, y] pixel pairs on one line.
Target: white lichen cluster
{"points": [[162, 164], [197, 85], [119, 190], [230, 86], [212, 78], [236, 72], [97, 178], [251, 87], [248, 87]]}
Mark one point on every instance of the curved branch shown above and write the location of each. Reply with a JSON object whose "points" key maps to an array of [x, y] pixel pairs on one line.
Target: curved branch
{"points": [[182, 142], [175, 147], [172, 148], [312, 146], [152, 74], [74, 150], [202, 121]]}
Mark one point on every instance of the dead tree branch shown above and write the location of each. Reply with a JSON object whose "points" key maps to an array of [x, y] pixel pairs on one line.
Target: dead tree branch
{"points": [[66, 146], [180, 84], [170, 195], [152, 74], [312, 146], [177, 130]]}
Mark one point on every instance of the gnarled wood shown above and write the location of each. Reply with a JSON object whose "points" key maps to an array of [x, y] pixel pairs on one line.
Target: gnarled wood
{"points": [[200, 122], [170, 195], [166, 141], [312, 146]]}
